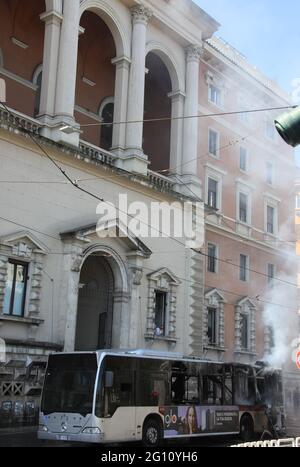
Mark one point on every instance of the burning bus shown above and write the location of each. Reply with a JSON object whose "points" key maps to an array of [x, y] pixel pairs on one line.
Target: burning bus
{"points": [[117, 396]]}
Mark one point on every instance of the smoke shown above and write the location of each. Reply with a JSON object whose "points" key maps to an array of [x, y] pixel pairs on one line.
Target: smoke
{"points": [[281, 312]]}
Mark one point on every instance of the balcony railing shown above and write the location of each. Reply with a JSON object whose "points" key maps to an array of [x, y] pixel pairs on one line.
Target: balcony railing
{"points": [[96, 154], [13, 120], [160, 181]]}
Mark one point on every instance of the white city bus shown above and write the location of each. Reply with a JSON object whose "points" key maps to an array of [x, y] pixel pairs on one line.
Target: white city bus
{"points": [[116, 396]]}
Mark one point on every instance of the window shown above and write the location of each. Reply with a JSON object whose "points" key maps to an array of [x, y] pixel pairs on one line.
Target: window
{"points": [[162, 305], [271, 275], [270, 173], [213, 143], [214, 94], [270, 220], [244, 328], [212, 326], [212, 258], [244, 117], [243, 159], [212, 193], [15, 288], [243, 207], [298, 201], [107, 116], [244, 267], [160, 312]]}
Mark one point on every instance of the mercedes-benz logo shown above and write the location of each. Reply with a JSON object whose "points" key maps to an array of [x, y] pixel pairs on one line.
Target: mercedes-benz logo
{"points": [[64, 426]]}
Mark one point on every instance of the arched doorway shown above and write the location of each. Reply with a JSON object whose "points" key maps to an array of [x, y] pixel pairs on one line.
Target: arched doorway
{"points": [[95, 304]]}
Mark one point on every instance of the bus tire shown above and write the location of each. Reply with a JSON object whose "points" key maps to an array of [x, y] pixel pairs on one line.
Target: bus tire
{"points": [[152, 433], [247, 428]]}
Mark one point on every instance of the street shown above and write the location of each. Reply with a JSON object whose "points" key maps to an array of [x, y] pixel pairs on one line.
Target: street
{"points": [[28, 438]]}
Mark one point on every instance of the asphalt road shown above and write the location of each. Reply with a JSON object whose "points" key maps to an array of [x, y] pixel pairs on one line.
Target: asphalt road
{"points": [[28, 438]]}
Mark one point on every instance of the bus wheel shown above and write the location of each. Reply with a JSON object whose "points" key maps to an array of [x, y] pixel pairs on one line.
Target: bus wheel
{"points": [[247, 428], [152, 433]]}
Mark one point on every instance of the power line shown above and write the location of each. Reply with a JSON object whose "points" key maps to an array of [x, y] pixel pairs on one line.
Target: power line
{"points": [[193, 281], [75, 184], [30, 228], [166, 119], [207, 153], [230, 263]]}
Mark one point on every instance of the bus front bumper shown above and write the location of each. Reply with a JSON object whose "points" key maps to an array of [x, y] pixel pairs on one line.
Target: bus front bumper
{"points": [[70, 437]]}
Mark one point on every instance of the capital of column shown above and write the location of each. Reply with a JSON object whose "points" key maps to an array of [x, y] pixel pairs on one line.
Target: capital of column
{"points": [[51, 17], [121, 62], [194, 52], [177, 96], [141, 14]]}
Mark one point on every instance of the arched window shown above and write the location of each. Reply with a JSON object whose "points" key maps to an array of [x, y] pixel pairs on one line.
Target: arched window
{"points": [[107, 115]]}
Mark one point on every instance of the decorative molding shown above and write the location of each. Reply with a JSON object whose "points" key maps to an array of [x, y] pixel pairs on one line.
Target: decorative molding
{"points": [[24, 243], [88, 81], [164, 280], [196, 294], [214, 299], [18, 79], [51, 17], [19, 43], [194, 52], [141, 14], [245, 306], [87, 113]]}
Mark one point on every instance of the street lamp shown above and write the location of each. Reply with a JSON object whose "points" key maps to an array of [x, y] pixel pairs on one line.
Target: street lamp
{"points": [[288, 126]]}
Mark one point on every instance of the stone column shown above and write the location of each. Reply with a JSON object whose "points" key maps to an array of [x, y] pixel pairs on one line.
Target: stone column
{"points": [[136, 160], [52, 21], [66, 73], [120, 106], [191, 125], [69, 294], [136, 325], [177, 99]]}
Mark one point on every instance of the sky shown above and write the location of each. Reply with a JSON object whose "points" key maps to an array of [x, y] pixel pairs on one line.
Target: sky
{"points": [[267, 32]]}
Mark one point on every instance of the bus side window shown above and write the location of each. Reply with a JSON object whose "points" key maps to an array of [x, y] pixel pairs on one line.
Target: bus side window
{"points": [[178, 388], [228, 393]]}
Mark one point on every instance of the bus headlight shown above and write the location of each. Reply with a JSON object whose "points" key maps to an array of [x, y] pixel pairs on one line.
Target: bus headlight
{"points": [[91, 431], [43, 428]]}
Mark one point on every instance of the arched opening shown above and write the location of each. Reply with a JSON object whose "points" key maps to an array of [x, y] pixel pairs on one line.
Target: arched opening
{"points": [[22, 44], [95, 304], [95, 77], [156, 135]]}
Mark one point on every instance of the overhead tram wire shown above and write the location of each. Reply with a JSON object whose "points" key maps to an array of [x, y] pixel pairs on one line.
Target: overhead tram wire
{"points": [[184, 279], [229, 262], [75, 184], [166, 119]]}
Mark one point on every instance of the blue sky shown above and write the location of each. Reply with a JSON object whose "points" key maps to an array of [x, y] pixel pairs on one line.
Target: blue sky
{"points": [[267, 32]]}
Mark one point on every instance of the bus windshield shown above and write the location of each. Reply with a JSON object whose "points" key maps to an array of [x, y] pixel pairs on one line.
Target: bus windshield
{"points": [[69, 384]]}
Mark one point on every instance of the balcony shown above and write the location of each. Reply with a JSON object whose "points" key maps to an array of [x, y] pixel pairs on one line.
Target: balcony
{"points": [[18, 123]]}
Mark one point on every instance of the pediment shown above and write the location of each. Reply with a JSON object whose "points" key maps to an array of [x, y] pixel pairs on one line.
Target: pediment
{"points": [[164, 277], [111, 229], [246, 302], [24, 244], [215, 297]]}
